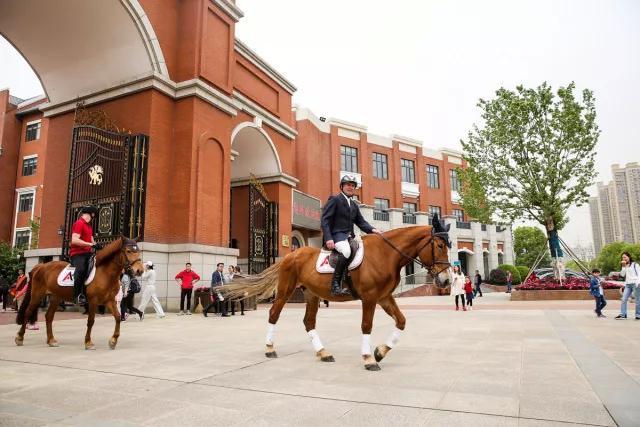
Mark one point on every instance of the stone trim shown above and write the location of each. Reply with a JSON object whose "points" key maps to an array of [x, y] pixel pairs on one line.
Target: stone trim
{"points": [[408, 141], [148, 35], [42, 252], [233, 11], [197, 87], [187, 247], [263, 66], [347, 125], [282, 177], [245, 104]]}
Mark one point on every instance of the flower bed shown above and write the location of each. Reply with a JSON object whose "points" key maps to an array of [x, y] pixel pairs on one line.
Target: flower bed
{"points": [[570, 284]]}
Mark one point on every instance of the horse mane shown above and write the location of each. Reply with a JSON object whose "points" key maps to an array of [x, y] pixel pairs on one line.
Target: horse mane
{"points": [[109, 251]]}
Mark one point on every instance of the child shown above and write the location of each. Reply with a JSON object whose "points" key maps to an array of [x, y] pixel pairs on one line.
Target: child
{"points": [[468, 290], [595, 288]]}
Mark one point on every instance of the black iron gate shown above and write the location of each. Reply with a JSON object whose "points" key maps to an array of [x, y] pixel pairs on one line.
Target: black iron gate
{"points": [[107, 170], [263, 230]]}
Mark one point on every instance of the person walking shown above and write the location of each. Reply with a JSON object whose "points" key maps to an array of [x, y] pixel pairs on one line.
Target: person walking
{"points": [[478, 282], [509, 282], [217, 300], [468, 290], [187, 278], [595, 288], [149, 293], [631, 273], [128, 292], [4, 292], [457, 287]]}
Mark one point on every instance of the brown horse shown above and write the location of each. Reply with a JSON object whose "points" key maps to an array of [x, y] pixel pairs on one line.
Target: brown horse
{"points": [[374, 281], [119, 254]]}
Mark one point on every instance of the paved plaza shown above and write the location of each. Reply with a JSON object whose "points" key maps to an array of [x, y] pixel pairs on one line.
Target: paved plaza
{"points": [[503, 364]]}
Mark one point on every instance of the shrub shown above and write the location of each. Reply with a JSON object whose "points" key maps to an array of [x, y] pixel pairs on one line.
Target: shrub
{"points": [[515, 274], [523, 270], [498, 277]]}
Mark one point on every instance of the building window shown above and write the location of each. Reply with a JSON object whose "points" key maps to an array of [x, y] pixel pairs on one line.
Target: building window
{"points": [[25, 202], [380, 166], [348, 159], [455, 180], [22, 239], [408, 171], [33, 131], [380, 209], [29, 166], [408, 216], [435, 210], [433, 176], [459, 214]]}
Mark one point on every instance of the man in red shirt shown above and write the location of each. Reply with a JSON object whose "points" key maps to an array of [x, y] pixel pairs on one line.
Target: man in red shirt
{"points": [[80, 250], [186, 279]]}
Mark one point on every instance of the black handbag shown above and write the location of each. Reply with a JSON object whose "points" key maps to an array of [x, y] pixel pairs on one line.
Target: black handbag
{"points": [[134, 286]]}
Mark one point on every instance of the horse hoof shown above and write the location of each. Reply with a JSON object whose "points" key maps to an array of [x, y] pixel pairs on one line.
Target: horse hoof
{"points": [[372, 367], [53, 344], [89, 347], [271, 355], [327, 359], [112, 345], [378, 355], [19, 342]]}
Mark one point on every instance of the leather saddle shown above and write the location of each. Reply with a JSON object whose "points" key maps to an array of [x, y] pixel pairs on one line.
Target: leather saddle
{"points": [[333, 257]]}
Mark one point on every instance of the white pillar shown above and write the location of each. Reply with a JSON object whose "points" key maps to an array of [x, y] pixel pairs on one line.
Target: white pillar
{"points": [[476, 259], [395, 218], [493, 247], [453, 236]]}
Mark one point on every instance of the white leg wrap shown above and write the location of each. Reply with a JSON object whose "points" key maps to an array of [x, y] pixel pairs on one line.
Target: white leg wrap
{"points": [[271, 330], [315, 340], [393, 339], [366, 344]]}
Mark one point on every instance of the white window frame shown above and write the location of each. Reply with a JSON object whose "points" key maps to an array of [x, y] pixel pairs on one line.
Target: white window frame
{"points": [[15, 236], [30, 156], [33, 122], [19, 192]]}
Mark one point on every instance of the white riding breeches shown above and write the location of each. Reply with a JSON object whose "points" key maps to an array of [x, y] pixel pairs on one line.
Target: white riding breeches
{"points": [[149, 293], [344, 248]]}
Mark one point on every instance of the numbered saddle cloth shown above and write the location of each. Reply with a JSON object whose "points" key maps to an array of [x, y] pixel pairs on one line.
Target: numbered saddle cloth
{"points": [[327, 259], [65, 278]]}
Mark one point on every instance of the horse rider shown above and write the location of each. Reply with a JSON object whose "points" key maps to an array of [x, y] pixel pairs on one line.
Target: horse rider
{"points": [[339, 215], [82, 243]]}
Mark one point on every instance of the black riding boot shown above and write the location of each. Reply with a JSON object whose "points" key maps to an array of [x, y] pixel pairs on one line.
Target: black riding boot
{"points": [[336, 282]]}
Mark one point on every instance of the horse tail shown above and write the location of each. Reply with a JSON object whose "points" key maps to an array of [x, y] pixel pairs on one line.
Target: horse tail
{"points": [[22, 310], [260, 285]]}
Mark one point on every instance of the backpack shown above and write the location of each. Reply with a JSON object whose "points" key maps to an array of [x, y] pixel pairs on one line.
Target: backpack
{"points": [[134, 286]]}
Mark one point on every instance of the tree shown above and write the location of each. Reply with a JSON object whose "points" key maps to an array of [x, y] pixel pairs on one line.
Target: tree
{"points": [[609, 258], [473, 197], [534, 153], [528, 243], [10, 261]]}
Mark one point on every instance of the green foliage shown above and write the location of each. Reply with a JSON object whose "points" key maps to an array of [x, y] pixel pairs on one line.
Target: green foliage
{"points": [[609, 258], [589, 265], [34, 225], [528, 243], [497, 277], [515, 274], [524, 271], [534, 153], [10, 261], [473, 197]]}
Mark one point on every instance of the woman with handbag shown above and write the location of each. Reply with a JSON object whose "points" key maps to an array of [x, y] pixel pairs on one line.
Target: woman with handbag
{"points": [[130, 287]]}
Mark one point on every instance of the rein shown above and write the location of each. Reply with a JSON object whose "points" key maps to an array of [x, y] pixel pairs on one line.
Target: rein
{"points": [[416, 259]]}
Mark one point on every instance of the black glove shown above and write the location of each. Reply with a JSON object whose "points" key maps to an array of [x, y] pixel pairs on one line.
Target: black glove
{"points": [[97, 246]]}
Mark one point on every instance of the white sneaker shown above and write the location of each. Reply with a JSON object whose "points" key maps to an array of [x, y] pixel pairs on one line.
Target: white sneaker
{"points": [[181, 313], [188, 313], [160, 316], [470, 308]]}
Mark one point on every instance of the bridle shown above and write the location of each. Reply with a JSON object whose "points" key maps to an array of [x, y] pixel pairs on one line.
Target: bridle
{"points": [[430, 240], [128, 264]]}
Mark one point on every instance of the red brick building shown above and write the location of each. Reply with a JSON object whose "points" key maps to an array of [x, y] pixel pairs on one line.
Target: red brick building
{"points": [[215, 113]]}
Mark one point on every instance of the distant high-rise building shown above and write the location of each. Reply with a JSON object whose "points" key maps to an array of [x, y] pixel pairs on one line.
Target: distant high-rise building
{"points": [[615, 210]]}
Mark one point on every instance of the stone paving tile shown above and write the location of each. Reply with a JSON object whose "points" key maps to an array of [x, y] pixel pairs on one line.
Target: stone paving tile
{"points": [[451, 368], [11, 420]]}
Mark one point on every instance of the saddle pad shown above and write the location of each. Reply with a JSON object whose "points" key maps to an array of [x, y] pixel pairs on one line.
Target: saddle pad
{"points": [[323, 265], [65, 278]]}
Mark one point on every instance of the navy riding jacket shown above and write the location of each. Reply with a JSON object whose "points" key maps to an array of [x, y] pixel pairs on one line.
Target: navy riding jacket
{"points": [[338, 219]]}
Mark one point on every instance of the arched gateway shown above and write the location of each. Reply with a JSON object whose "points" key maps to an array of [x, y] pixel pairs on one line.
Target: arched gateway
{"points": [[214, 113]]}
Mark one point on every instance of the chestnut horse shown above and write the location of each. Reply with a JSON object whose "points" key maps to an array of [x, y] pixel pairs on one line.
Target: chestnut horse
{"points": [[120, 254], [374, 281]]}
